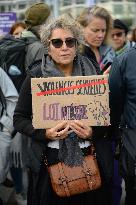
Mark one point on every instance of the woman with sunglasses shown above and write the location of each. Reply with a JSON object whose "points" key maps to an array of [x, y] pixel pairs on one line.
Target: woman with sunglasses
{"points": [[61, 37], [97, 24], [119, 37]]}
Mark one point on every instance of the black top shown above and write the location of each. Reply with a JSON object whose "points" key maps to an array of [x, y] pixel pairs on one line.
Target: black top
{"points": [[87, 51]]}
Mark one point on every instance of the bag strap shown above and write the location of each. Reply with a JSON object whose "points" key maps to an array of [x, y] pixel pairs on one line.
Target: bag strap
{"points": [[88, 175], [82, 67], [63, 179], [34, 64]]}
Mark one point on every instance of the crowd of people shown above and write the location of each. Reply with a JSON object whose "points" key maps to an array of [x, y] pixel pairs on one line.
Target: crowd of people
{"points": [[92, 44]]}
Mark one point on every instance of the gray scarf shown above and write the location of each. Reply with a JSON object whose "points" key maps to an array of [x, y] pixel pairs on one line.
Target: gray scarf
{"points": [[69, 151]]}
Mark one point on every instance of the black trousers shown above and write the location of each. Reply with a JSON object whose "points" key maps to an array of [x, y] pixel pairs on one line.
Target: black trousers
{"points": [[32, 183], [1, 203], [130, 187]]}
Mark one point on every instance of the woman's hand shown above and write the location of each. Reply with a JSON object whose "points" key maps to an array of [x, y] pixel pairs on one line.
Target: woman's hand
{"points": [[60, 131], [83, 131]]}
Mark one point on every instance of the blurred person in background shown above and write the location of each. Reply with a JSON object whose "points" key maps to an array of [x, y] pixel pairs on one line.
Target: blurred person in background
{"points": [[129, 35], [16, 143], [35, 16], [134, 34], [119, 37], [17, 167], [17, 28], [122, 84], [97, 24], [8, 100]]}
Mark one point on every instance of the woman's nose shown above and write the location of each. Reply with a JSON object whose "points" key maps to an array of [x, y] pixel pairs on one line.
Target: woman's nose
{"points": [[100, 34], [64, 45]]}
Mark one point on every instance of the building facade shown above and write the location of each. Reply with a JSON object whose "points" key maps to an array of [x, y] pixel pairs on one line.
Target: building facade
{"points": [[122, 9], [58, 6], [18, 6]]}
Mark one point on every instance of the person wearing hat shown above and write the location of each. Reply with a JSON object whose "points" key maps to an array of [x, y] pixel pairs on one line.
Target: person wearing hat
{"points": [[119, 37], [122, 85], [122, 46], [35, 16]]}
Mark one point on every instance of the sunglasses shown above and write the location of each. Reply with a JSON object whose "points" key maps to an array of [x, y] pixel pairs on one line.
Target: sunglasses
{"points": [[119, 34], [57, 43]]}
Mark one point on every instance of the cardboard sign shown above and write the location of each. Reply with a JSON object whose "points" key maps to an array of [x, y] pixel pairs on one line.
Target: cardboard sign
{"points": [[84, 98]]}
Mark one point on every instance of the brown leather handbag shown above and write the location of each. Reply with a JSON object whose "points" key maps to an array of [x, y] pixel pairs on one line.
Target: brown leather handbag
{"points": [[67, 181]]}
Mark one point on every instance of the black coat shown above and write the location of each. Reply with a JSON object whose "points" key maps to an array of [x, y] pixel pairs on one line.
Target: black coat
{"points": [[122, 84], [23, 123]]}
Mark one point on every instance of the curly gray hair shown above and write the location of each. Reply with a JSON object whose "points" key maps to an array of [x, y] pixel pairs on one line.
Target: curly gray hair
{"points": [[63, 22]]}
